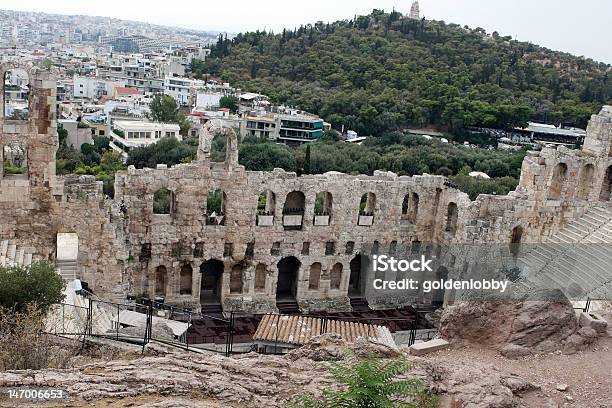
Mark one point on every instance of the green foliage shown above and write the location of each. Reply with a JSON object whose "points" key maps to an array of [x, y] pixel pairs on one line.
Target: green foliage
{"points": [[230, 102], [371, 383], [9, 168], [164, 109], [218, 148], [389, 72], [168, 150], [263, 155], [38, 284], [162, 201], [474, 186], [214, 202]]}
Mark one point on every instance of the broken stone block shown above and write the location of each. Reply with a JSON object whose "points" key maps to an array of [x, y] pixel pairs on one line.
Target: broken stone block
{"points": [[428, 347], [593, 321]]}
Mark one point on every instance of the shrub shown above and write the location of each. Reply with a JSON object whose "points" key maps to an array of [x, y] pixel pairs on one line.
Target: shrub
{"points": [[37, 284], [371, 383]]}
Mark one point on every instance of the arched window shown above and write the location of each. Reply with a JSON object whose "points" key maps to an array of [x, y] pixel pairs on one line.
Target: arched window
{"points": [[293, 210], [161, 275], [451, 218], [315, 276], [16, 94], [15, 160], [163, 201], [266, 206], [335, 277], [323, 204], [410, 207], [236, 278], [367, 206], [294, 203], [215, 208], [186, 280], [260, 278], [558, 179], [586, 181], [218, 148], [606, 187]]}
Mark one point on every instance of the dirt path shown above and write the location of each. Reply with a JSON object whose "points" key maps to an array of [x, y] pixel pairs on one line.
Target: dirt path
{"points": [[588, 375]]}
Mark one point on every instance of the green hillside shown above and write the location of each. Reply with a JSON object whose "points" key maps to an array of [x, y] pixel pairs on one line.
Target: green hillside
{"points": [[384, 71]]}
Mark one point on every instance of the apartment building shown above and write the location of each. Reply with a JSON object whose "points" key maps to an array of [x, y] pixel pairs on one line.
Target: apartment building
{"points": [[126, 135]]}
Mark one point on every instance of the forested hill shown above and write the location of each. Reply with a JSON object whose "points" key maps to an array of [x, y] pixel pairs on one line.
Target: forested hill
{"points": [[384, 71]]}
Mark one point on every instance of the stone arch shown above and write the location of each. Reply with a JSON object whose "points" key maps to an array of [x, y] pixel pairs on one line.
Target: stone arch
{"points": [[161, 279], [294, 203], [28, 73], [335, 277], [516, 238], [410, 207], [186, 280], [357, 279], [215, 207], [260, 277], [438, 294], [586, 181], [606, 186], [315, 276], [15, 160], [452, 216], [236, 278], [367, 204], [211, 281], [293, 210], [211, 129], [288, 272], [164, 201], [266, 203], [324, 203], [16, 87], [559, 177]]}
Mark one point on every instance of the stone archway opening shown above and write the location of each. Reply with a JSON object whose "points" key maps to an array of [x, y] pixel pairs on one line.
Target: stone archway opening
{"points": [[515, 240], [161, 277], [558, 179], [16, 94], [286, 286], [606, 187], [438, 294], [357, 279], [211, 281]]}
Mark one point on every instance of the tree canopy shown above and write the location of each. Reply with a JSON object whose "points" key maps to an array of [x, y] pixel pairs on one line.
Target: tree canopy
{"points": [[165, 109], [383, 72], [37, 285]]}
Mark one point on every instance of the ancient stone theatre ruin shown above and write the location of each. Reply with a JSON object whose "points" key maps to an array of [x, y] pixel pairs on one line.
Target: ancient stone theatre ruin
{"points": [[247, 240]]}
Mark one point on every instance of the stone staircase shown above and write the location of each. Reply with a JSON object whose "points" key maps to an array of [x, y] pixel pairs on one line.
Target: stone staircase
{"points": [[577, 259], [68, 270], [12, 254]]}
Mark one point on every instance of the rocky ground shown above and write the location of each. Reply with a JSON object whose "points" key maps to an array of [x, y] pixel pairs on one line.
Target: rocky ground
{"points": [[465, 377]]}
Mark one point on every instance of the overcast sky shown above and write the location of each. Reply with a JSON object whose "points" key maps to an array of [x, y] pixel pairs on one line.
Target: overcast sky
{"points": [[582, 27]]}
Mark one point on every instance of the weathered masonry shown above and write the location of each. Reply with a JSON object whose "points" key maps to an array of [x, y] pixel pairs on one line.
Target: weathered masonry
{"points": [[205, 232]]}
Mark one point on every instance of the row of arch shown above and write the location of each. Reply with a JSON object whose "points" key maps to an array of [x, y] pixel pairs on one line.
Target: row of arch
{"points": [[212, 271], [164, 202], [560, 176]]}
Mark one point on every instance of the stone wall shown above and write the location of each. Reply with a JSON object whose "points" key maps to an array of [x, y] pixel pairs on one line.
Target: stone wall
{"points": [[125, 248]]}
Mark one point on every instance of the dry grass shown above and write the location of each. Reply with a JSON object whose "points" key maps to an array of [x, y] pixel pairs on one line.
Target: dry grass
{"points": [[24, 344]]}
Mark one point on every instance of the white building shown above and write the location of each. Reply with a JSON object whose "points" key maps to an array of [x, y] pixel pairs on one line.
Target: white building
{"points": [[129, 134], [182, 89], [93, 88]]}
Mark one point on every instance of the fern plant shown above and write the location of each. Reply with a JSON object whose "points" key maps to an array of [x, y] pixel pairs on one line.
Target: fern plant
{"points": [[370, 383]]}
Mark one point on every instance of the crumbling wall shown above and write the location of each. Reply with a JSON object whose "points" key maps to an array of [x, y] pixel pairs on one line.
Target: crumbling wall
{"points": [[125, 248]]}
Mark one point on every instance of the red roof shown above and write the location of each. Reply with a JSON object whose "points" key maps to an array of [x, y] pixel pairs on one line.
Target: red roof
{"points": [[126, 91]]}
